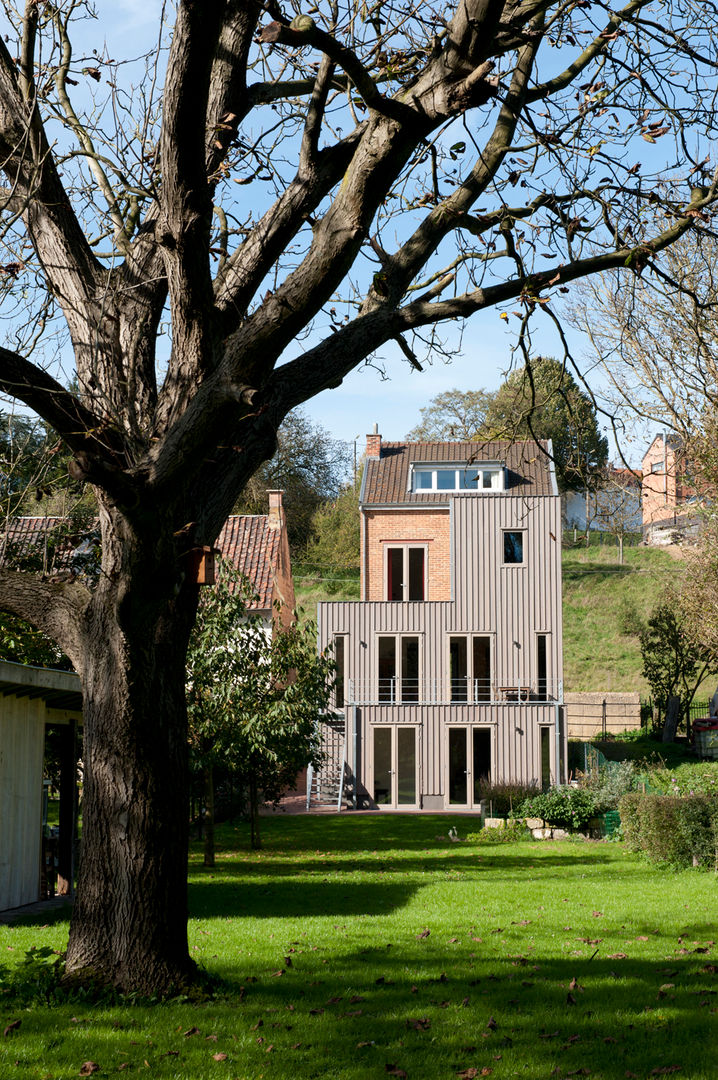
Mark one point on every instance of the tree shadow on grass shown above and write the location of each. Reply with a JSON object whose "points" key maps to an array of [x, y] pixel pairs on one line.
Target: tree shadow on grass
{"points": [[295, 899], [605, 1016]]}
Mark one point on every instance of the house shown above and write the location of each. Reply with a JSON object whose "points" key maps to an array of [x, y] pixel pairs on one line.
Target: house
{"points": [[258, 547], [33, 700], [613, 505], [668, 498], [450, 665]]}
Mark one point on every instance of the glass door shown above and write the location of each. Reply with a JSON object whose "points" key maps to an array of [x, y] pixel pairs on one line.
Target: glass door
{"points": [[468, 762], [394, 765]]}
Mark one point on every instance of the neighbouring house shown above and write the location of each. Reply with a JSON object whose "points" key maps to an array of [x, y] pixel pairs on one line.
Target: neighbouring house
{"points": [[450, 665], [668, 498], [258, 547], [34, 700], [612, 506]]}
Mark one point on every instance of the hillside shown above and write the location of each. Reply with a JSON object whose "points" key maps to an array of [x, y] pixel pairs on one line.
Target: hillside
{"points": [[601, 599]]}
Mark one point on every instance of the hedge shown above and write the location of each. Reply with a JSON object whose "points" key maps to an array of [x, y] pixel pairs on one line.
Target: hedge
{"points": [[677, 831]]}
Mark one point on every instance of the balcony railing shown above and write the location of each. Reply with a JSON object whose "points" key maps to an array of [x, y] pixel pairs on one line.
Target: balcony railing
{"points": [[456, 691]]}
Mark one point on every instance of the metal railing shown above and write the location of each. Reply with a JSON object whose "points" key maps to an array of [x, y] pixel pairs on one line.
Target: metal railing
{"points": [[393, 690]]}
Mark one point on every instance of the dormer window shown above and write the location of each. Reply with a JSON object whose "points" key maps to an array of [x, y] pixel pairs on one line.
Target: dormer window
{"points": [[436, 478]]}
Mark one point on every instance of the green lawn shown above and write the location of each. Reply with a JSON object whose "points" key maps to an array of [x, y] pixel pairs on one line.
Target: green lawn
{"points": [[370, 946]]}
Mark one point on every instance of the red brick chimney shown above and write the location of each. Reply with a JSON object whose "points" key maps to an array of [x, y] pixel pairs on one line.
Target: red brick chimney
{"points": [[373, 443], [276, 508]]}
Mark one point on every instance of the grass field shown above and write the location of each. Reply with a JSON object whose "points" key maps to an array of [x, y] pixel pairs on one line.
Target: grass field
{"points": [[369, 946]]}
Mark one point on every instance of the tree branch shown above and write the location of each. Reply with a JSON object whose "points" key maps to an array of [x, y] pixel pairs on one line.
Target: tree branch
{"points": [[56, 608]]}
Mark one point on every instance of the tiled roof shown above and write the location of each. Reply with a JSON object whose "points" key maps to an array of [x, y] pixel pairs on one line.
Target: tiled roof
{"points": [[252, 546], [248, 542], [387, 478], [27, 540]]}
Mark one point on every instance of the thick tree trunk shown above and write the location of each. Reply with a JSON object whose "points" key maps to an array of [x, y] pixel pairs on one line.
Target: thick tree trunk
{"points": [[129, 925]]}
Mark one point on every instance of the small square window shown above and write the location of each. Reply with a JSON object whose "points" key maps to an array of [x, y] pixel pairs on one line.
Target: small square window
{"points": [[423, 481], [469, 479], [446, 479], [513, 547]]}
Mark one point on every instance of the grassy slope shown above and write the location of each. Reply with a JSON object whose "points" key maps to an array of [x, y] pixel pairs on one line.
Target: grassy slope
{"points": [[596, 592], [542, 959]]}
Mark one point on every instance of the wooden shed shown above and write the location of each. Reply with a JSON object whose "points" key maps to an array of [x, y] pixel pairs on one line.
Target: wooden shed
{"points": [[30, 700]]}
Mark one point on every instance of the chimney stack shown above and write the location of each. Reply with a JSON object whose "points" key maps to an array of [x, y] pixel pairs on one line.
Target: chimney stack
{"points": [[373, 443], [276, 508]]}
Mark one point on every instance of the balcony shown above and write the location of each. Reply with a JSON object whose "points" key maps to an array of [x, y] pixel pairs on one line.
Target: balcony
{"points": [[457, 691]]}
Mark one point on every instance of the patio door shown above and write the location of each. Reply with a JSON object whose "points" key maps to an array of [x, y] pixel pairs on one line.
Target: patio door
{"points": [[394, 765], [468, 762]]}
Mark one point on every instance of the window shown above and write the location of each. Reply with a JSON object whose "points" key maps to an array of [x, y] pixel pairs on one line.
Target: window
{"points": [[541, 667], [657, 466], [513, 547], [470, 668], [405, 573], [436, 478], [340, 661], [398, 669]]}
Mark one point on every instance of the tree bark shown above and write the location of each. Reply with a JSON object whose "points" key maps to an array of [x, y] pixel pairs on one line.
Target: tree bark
{"points": [[129, 925]]}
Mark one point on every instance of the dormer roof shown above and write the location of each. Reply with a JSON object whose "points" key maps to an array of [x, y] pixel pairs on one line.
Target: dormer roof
{"points": [[529, 469]]}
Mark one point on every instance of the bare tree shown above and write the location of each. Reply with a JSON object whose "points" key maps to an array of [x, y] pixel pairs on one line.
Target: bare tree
{"points": [[288, 195]]}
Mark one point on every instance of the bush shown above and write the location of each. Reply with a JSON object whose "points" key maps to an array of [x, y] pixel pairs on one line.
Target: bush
{"points": [[565, 807], [504, 799], [514, 832], [675, 831], [610, 783], [693, 778]]}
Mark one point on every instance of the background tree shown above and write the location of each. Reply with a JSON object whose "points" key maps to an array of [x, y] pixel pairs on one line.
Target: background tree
{"points": [[309, 466], [255, 698], [335, 544], [457, 415], [674, 663], [408, 168], [544, 401]]}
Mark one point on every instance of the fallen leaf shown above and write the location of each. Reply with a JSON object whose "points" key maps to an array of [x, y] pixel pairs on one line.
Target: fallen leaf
{"points": [[88, 1068], [394, 1070], [259, 1024], [419, 1023], [468, 1074], [221, 1056], [355, 999], [13, 1026], [575, 985], [570, 999], [492, 1025], [549, 1035], [210, 1038], [191, 1031], [424, 934]]}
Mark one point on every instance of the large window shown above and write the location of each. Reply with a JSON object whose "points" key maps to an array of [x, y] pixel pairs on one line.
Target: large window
{"points": [[406, 573], [470, 668], [428, 478], [398, 669]]}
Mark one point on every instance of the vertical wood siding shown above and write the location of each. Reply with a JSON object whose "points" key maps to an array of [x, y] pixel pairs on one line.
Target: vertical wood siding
{"points": [[22, 743], [510, 603]]}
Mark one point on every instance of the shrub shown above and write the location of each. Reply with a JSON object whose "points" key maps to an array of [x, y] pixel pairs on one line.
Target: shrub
{"points": [[512, 833], [675, 831], [692, 778], [610, 783], [566, 807], [504, 799]]}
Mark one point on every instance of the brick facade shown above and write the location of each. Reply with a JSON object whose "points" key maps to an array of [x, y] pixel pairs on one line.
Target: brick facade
{"points": [[664, 490], [385, 528]]}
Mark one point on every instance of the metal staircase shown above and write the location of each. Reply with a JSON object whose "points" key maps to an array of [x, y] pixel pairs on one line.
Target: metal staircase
{"points": [[325, 784]]}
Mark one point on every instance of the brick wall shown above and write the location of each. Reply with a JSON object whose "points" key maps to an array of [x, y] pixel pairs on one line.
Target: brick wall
{"points": [[585, 713], [407, 527]]}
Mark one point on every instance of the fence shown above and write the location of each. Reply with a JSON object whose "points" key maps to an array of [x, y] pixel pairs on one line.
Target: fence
{"points": [[652, 715], [590, 716]]}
